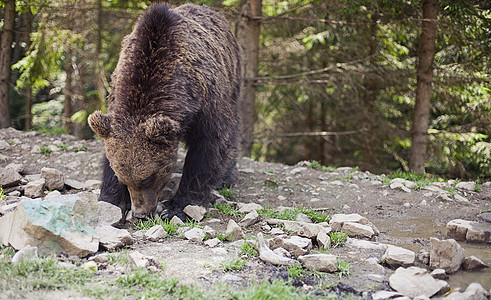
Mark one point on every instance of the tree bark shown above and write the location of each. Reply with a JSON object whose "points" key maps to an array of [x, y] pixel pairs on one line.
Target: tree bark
{"points": [[28, 121], [67, 103], [247, 33], [5, 61], [101, 90], [426, 54]]}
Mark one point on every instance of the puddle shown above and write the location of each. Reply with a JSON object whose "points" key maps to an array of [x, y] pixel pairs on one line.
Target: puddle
{"points": [[413, 233]]}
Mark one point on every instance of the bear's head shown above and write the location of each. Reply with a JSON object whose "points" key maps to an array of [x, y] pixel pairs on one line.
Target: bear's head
{"points": [[142, 153]]}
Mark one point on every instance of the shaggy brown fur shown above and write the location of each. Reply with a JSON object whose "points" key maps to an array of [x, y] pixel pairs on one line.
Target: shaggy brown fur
{"points": [[177, 79]]}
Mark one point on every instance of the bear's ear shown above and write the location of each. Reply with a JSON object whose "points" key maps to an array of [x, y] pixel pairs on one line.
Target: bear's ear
{"points": [[161, 129], [100, 124]]}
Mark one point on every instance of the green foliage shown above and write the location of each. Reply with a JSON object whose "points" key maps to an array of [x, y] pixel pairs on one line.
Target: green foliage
{"points": [[228, 210], [276, 290], [291, 214], [52, 131], [344, 268], [2, 195], [234, 265], [78, 149], [338, 239], [228, 192], [168, 226], [45, 150], [247, 248], [295, 271], [317, 166]]}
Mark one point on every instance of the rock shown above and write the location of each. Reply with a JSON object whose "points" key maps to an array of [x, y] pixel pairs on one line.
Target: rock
{"points": [[92, 184], [404, 182], [195, 234], [9, 177], [210, 232], [250, 219], [308, 230], [155, 233], [298, 170], [112, 238], [54, 178], [267, 255], [338, 220], [439, 274], [473, 263], [446, 254], [138, 259], [248, 207], [276, 231], [461, 199], [414, 281], [303, 218], [101, 258], [107, 214], [473, 292], [233, 231], [470, 231], [486, 217], [74, 184], [466, 185], [295, 245], [52, 195], [195, 212], [212, 243], [423, 256], [399, 186], [35, 189], [177, 221], [57, 225], [398, 256], [358, 230], [323, 239], [90, 265], [282, 252], [362, 244], [320, 262], [27, 252], [384, 295]]}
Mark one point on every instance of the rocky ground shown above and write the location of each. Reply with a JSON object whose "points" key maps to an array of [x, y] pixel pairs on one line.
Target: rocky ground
{"points": [[383, 212]]}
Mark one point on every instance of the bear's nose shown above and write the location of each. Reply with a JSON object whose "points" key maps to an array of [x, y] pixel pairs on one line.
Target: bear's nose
{"points": [[139, 215]]}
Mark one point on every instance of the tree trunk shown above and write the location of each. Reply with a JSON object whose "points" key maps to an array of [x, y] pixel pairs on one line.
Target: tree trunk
{"points": [[5, 61], [67, 104], [28, 121], [101, 90], [247, 34], [426, 54]]}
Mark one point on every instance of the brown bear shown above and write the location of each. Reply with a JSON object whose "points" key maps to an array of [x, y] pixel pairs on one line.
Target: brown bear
{"points": [[177, 79]]}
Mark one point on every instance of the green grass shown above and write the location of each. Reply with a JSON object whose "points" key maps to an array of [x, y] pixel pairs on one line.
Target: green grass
{"points": [[420, 180], [452, 190], [222, 237], [275, 290], [44, 150], [247, 248], [234, 265], [52, 131], [291, 214], [78, 149], [228, 210], [344, 268], [228, 193], [317, 166], [272, 181], [63, 147], [338, 239], [2, 194], [150, 222], [119, 257], [296, 271]]}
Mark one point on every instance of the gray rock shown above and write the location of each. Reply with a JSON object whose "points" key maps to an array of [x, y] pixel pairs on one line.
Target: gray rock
{"points": [[107, 214], [303, 218], [210, 232], [358, 230], [139, 260], [9, 177], [473, 292], [466, 185], [233, 231], [250, 219], [320, 262], [473, 263], [52, 194], [399, 186], [398, 256], [384, 295], [439, 274], [54, 178], [155, 233], [25, 253], [470, 231], [195, 212], [362, 244], [461, 199], [248, 207], [338, 220], [323, 239], [35, 189], [212, 242], [92, 184], [276, 231], [446, 254], [177, 221], [54, 226], [423, 256], [295, 245], [486, 217], [267, 255], [414, 281], [112, 238], [74, 184], [195, 234], [282, 252]]}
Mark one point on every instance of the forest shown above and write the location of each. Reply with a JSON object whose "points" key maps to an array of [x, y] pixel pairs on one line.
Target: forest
{"points": [[383, 85]]}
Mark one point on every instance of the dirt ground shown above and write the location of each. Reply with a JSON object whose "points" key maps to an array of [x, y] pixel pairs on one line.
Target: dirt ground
{"points": [[407, 219]]}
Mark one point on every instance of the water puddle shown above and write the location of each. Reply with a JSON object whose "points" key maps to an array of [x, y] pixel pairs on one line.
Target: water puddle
{"points": [[413, 233]]}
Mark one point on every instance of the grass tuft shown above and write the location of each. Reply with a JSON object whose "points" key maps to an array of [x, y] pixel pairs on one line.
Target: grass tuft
{"points": [[338, 239]]}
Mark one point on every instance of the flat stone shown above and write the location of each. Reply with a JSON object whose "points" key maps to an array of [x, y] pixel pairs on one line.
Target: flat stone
{"points": [[466, 185], [155, 233], [177, 221], [248, 207], [473, 263], [59, 225], [210, 232], [384, 295], [107, 214], [92, 184], [439, 274], [338, 220], [138, 259], [320, 262], [74, 184], [267, 255], [9, 177], [303, 218], [358, 230], [212, 242], [195, 234], [234, 232], [35, 189], [323, 239], [404, 182], [486, 217], [473, 292], [195, 212], [399, 186], [27, 252], [52, 194], [463, 230], [250, 219], [398, 256], [414, 281], [112, 238], [362, 244], [55, 180], [295, 245], [446, 254]]}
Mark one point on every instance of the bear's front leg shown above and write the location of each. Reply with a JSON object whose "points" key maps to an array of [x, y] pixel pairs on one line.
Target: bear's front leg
{"points": [[113, 191]]}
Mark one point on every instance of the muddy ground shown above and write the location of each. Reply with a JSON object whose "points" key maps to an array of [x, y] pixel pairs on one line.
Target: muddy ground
{"points": [[407, 219]]}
